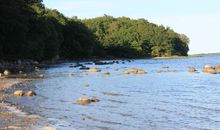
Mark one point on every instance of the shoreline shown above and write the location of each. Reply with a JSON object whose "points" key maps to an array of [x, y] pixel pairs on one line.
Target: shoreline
{"points": [[13, 117], [10, 115]]}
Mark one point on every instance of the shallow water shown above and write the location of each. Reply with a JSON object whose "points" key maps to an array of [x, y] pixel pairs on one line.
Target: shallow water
{"points": [[154, 101]]}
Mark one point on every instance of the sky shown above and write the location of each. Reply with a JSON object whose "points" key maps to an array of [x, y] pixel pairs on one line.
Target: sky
{"points": [[198, 19]]}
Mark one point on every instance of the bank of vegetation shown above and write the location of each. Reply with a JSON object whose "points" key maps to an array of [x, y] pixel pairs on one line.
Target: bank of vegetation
{"points": [[29, 30]]}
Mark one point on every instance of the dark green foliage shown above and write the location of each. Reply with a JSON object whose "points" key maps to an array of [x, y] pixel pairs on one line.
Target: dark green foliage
{"points": [[123, 36], [28, 30], [79, 42]]}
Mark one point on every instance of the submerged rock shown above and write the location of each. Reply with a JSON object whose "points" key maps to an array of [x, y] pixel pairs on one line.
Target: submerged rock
{"points": [[106, 73], [84, 73], [115, 69], [94, 70], [192, 69], [19, 93], [171, 70], [94, 99], [160, 71]]}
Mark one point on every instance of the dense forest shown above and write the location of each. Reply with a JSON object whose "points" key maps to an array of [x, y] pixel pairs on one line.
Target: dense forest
{"points": [[29, 30]]}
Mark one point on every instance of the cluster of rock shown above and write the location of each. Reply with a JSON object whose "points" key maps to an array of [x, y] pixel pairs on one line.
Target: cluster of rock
{"points": [[5, 73], [20, 93], [134, 71], [105, 63], [207, 69], [21, 74], [85, 101], [211, 69]]}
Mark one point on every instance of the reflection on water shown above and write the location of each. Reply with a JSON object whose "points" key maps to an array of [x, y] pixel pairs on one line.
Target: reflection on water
{"points": [[154, 101]]}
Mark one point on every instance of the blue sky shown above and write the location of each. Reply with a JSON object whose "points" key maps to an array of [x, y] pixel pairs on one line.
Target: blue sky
{"points": [[198, 19]]}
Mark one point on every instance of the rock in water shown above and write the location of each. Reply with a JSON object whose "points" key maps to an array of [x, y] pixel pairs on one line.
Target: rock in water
{"points": [[106, 73], [19, 93], [30, 93], [115, 69], [141, 72], [209, 69], [133, 70], [192, 69], [171, 70], [217, 69], [126, 72], [84, 101], [94, 99], [165, 67], [94, 70]]}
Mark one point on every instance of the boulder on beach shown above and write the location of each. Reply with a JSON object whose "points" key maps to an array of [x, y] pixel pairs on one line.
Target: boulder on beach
{"points": [[6, 72], [192, 69], [30, 93], [19, 93], [94, 70]]}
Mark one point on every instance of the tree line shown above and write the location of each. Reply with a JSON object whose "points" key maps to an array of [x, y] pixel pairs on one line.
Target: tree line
{"points": [[29, 30]]}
